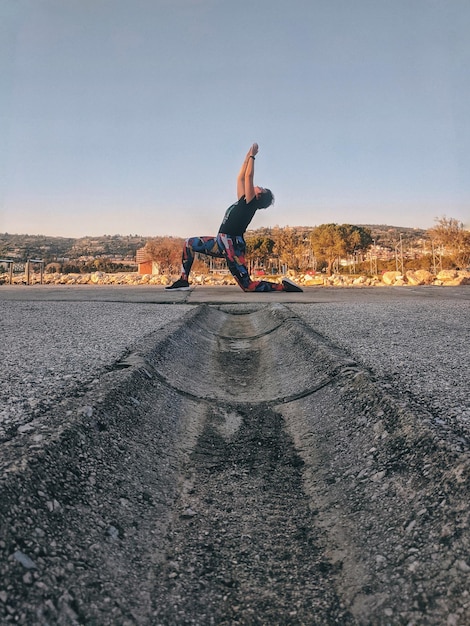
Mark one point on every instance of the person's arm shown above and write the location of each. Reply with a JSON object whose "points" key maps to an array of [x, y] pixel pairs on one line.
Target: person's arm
{"points": [[245, 175]]}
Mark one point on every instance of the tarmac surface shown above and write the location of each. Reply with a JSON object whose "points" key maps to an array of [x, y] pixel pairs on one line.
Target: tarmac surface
{"points": [[229, 294], [57, 337], [215, 456]]}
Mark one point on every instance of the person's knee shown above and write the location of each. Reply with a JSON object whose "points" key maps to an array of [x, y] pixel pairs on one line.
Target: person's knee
{"points": [[250, 286]]}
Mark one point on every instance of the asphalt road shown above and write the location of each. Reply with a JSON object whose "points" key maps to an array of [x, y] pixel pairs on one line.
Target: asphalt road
{"points": [[213, 457], [55, 338]]}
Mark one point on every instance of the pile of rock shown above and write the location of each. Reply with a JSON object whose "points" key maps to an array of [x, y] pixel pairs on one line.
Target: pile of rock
{"points": [[423, 277], [397, 279]]}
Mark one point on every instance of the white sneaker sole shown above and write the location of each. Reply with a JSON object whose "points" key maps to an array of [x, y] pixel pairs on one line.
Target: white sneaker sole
{"points": [[295, 288]]}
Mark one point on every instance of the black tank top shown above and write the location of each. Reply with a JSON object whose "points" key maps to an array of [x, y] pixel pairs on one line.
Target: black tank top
{"points": [[238, 216]]}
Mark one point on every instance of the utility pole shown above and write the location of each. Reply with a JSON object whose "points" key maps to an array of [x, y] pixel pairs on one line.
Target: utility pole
{"points": [[436, 259], [399, 256], [373, 260]]}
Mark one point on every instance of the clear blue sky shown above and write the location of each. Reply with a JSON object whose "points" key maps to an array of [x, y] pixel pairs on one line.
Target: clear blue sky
{"points": [[133, 116]]}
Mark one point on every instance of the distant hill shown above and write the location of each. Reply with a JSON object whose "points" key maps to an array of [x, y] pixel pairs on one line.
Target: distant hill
{"points": [[389, 236], [23, 247]]}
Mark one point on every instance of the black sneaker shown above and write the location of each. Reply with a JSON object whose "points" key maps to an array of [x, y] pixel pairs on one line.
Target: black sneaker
{"points": [[289, 285], [179, 285]]}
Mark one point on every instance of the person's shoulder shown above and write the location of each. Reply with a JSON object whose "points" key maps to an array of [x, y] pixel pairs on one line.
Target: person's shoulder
{"points": [[252, 203], [242, 201]]}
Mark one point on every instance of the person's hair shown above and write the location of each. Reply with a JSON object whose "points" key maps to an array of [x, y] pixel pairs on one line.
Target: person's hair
{"points": [[266, 199]]}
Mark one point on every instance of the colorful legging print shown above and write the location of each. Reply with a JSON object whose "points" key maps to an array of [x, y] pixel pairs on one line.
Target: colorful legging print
{"points": [[231, 248]]}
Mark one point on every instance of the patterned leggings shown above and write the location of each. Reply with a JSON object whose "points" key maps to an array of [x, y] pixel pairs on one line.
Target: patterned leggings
{"points": [[231, 248]]}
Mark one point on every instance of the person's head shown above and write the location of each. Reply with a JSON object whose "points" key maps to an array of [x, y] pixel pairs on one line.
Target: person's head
{"points": [[264, 197]]}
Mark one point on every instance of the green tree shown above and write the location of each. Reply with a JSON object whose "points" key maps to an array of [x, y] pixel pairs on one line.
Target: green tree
{"points": [[356, 238], [289, 247], [260, 249], [330, 241]]}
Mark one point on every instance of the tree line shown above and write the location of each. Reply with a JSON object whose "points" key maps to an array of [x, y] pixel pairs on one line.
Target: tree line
{"points": [[274, 249], [316, 248], [294, 248]]}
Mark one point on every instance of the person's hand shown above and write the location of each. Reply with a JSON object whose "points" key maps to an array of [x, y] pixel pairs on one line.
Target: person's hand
{"points": [[254, 149]]}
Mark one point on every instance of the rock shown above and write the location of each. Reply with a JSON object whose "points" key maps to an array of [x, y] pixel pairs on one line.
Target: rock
{"points": [[24, 428], [413, 278], [113, 533], [424, 276], [24, 559], [456, 282], [308, 279], [313, 280], [97, 277], [377, 477], [360, 280], [410, 527], [53, 505], [28, 578], [413, 567], [390, 278], [446, 275], [463, 566]]}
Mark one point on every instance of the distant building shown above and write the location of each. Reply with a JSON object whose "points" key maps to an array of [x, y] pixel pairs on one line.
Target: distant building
{"points": [[146, 265]]}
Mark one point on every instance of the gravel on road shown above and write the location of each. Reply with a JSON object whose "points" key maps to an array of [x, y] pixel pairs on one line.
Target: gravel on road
{"points": [[242, 464], [415, 347], [50, 349]]}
